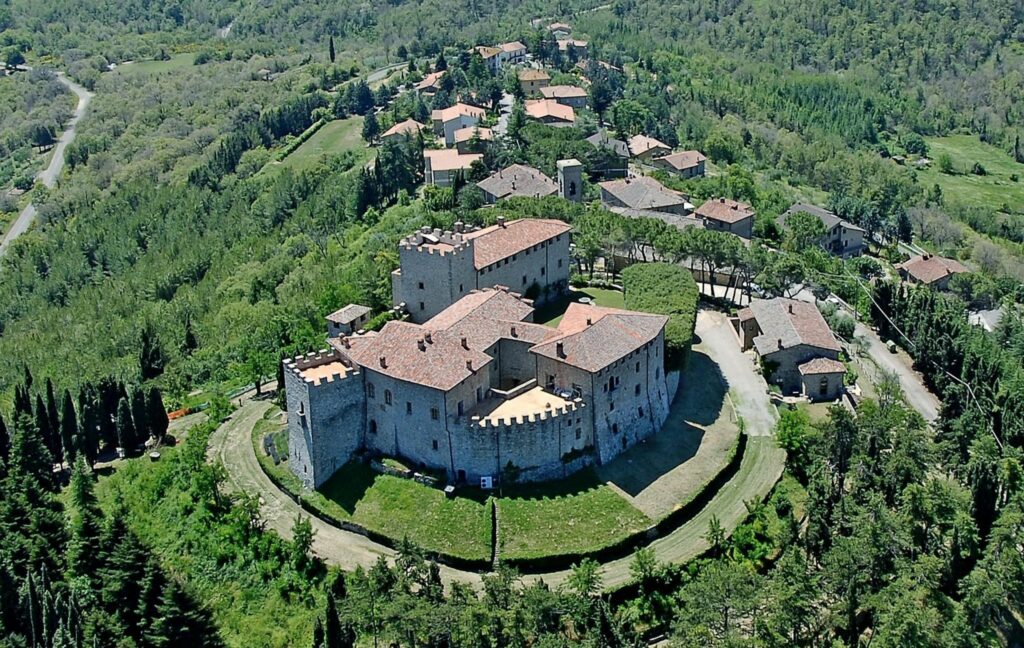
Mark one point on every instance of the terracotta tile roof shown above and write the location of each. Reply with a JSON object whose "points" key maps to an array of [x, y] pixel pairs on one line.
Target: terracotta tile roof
{"points": [[559, 26], [407, 127], [487, 52], [563, 92], [458, 110], [592, 337], [679, 221], [497, 242], [549, 108], [643, 192], [442, 363], [511, 48], [682, 160], [348, 314], [518, 180], [564, 45], [466, 134], [640, 144], [725, 210], [430, 80], [745, 314], [484, 317], [827, 218], [533, 74], [492, 302], [928, 269], [789, 323], [822, 366], [450, 159]]}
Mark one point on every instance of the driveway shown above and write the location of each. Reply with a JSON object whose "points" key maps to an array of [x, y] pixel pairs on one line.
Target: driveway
{"points": [[747, 387], [49, 175], [914, 390]]}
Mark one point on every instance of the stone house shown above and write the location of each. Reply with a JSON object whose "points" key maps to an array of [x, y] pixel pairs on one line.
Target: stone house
{"points": [[930, 270], [516, 180], [685, 164], [646, 148], [440, 167], [531, 80], [726, 215], [643, 193], [437, 268], [347, 320], [574, 49], [568, 95], [796, 347], [448, 120], [842, 238]]}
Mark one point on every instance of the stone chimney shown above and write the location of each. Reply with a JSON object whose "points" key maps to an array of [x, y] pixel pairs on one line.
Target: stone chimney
{"points": [[501, 221], [469, 365], [383, 362], [589, 321], [560, 349], [345, 342], [459, 225], [465, 344], [421, 344], [428, 336], [780, 344]]}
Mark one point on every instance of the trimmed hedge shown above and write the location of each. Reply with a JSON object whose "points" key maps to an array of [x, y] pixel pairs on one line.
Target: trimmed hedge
{"points": [[665, 289]]}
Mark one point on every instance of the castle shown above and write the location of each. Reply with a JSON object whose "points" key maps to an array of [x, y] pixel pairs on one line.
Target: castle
{"points": [[472, 386]]}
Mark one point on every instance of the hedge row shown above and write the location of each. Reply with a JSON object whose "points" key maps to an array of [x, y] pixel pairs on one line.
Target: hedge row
{"points": [[670, 290]]}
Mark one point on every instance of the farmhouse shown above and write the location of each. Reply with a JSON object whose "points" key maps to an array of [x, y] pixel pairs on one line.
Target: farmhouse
{"points": [[479, 391], [437, 268], [797, 349], [725, 215], [685, 164], [841, 238], [430, 83], [517, 180], [645, 193], [440, 167], [930, 270]]}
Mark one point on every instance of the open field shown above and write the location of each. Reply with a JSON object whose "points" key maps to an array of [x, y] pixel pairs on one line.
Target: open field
{"points": [[333, 138], [175, 62], [996, 189]]}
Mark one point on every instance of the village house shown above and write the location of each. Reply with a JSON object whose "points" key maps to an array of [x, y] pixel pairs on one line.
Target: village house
{"points": [[841, 238], [464, 137], [513, 53], [347, 320], [516, 180], [437, 268], [560, 30], [646, 148], [644, 193], [430, 84], [491, 57], [531, 80], [440, 167], [402, 130], [574, 49], [448, 120], [550, 112], [567, 95], [726, 215], [930, 270], [685, 164], [797, 350]]}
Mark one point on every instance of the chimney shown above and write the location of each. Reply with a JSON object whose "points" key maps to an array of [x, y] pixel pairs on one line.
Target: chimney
{"points": [[421, 344], [780, 343], [560, 349], [514, 333], [428, 336], [790, 308], [589, 321], [721, 200], [501, 221], [459, 225], [344, 341], [383, 362], [469, 365], [465, 344]]}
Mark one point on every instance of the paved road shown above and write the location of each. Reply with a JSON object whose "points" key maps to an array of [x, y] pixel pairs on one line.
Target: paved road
{"points": [[914, 390], [761, 467], [49, 175], [747, 387]]}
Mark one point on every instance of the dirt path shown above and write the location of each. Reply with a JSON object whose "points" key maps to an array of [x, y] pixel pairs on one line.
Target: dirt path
{"points": [[914, 390]]}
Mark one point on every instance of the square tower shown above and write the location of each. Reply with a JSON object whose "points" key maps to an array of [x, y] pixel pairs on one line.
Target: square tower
{"points": [[570, 179]]}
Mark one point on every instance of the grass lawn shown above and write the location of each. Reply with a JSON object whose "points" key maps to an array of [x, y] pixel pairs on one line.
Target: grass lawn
{"points": [[569, 516], [551, 314], [333, 138], [175, 62], [995, 189]]}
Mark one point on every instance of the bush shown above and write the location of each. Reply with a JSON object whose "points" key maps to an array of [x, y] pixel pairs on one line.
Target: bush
{"points": [[670, 290], [978, 170]]}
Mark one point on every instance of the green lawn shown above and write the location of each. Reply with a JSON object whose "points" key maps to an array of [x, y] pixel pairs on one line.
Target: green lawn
{"points": [[551, 314], [335, 137], [569, 516], [176, 62], [995, 189]]}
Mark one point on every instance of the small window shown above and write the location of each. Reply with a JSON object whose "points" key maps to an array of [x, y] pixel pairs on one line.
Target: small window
{"points": [[559, 263], [524, 280], [434, 413], [373, 426], [611, 406], [435, 444], [422, 306], [371, 391], [636, 390], [579, 434], [543, 271], [479, 394], [408, 407], [460, 287], [638, 366], [421, 285], [615, 428], [459, 408], [387, 396], [640, 412], [657, 372]]}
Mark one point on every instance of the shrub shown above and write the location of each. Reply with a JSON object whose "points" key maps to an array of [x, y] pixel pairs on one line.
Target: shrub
{"points": [[670, 290], [978, 170]]}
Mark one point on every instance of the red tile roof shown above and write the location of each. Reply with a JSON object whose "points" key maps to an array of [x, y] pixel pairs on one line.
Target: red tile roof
{"points": [[790, 323], [592, 337], [458, 110], [821, 366], [682, 160], [725, 210], [640, 144], [549, 108], [929, 268], [497, 242], [563, 92], [407, 127]]}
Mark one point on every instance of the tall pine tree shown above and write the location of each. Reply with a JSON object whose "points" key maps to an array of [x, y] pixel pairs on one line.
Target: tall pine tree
{"points": [[156, 415], [69, 432], [85, 524], [126, 434]]}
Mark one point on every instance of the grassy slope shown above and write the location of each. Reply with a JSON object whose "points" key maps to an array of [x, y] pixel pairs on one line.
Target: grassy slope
{"points": [[993, 190], [175, 62], [335, 137]]}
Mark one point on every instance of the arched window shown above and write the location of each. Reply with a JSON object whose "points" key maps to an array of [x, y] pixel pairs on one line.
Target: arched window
{"points": [[371, 391], [823, 386]]}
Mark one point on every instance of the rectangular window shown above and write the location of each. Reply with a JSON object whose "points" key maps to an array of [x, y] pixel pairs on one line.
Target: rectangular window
{"points": [[387, 396], [371, 391], [559, 263], [434, 413], [459, 408], [421, 285], [640, 412], [543, 271], [637, 390], [435, 444], [611, 406], [579, 434], [479, 394], [422, 306], [524, 280], [408, 407], [638, 367]]}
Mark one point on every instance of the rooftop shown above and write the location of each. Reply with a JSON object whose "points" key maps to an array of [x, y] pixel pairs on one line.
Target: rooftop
{"points": [[514, 46], [676, 220], [682, 160], [348, 314], [569, 42], [601, 139], [518, 180], [530, 402], [533, 74], [563, 92], [827, 218], [430, 80], [725, 210], [467, 133], [487, 52], [450, 159], [407, 127], [500, 241], [592, 337], [325, 372], [643, 192], [640, 144], [788, 323], [549, 108], [929, 268], [456, 111], [821, 366]]}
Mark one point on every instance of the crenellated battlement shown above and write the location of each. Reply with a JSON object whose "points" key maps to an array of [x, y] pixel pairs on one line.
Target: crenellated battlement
{"points": [[426, 239], [528, 419], [320, 367]]}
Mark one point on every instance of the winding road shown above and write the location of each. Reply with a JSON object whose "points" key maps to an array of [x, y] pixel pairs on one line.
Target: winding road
{"points": [[759, 470], [48, 176]]}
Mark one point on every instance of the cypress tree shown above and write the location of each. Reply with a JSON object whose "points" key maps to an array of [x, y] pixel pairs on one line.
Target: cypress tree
{"points": [[46, 431], [318, 633], [5, 442], [139, 414], [69, 434], [52, 415], [85, 524], [126, 434], [156, 415], [89, 423], [333, 632], [331, 49]]}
